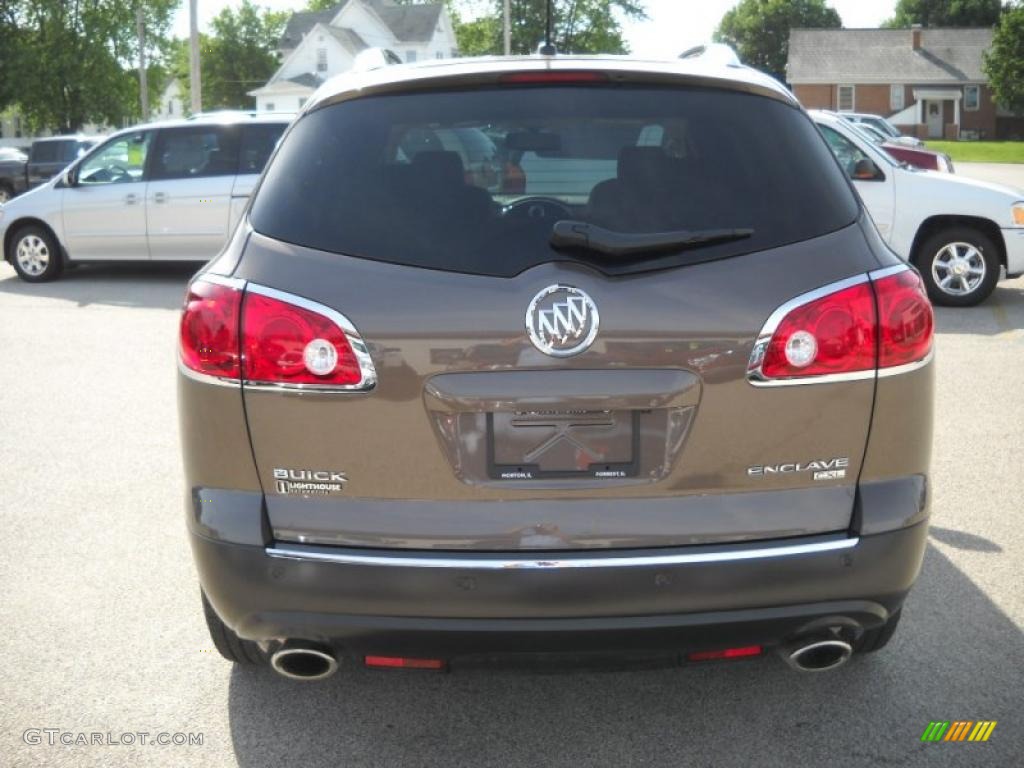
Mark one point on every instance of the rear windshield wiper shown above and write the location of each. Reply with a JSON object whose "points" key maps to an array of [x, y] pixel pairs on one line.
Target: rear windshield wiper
{"points": [[579, 234]]}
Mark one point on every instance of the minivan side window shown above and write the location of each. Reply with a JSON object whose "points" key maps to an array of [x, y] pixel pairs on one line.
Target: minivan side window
{"points": [[195, 152], [120, 161], [258, 142]]}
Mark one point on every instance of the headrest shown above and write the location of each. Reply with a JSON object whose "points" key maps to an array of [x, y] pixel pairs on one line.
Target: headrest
{"points": [[440, 168], [642, 164]]}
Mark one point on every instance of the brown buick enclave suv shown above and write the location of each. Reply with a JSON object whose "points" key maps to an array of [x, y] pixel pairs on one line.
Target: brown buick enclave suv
{"points": [[554, 355]]}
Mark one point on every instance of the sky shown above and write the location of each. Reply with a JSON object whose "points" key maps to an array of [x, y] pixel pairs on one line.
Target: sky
{"points": [[672, 26]]}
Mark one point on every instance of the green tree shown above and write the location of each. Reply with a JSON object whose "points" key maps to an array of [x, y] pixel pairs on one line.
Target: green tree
{"points": [[74, 59], [239, 54], [946, 13], [1004, 61], [759, 29]]}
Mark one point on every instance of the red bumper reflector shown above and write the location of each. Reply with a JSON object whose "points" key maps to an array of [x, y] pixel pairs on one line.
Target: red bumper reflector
{"points": [[726, 653], [401, 662]]}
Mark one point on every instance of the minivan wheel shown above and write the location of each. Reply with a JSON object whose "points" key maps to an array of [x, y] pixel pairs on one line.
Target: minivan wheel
{"points": [[5, 194], [876, 639], [228, 644], [960, 266], [35, 255]]}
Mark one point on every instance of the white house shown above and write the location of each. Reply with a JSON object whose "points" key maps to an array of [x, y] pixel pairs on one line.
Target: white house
{"points": [[317, 45], [170, 105]]}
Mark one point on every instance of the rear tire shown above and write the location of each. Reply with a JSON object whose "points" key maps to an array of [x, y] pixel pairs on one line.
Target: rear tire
{"points": [[35, 254], [228, 644], [876, 639], [6, 193], [959, 265]]}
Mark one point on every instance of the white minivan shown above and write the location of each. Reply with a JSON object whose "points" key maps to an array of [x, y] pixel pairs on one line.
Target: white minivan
{"points": [[168, 191], [958, 232]]}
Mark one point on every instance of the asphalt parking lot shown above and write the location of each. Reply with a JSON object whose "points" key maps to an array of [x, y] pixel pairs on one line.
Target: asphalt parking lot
{"points": [[103, 631]]}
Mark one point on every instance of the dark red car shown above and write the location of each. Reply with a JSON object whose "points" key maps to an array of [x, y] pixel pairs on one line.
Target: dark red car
{"points": [[920, 158]]}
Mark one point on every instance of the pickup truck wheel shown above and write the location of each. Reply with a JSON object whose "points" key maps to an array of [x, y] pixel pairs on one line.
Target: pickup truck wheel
{"points": [[35, 255], [228, 644], [6, 193], [960, 266]]}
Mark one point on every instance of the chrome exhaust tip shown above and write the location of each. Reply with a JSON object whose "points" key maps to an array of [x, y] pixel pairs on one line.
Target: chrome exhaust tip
{"points": [[819, 655], [304, 662]]}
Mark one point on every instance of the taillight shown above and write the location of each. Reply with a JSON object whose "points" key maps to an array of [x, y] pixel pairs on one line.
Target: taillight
{"points": [[905, 319], [846, 331], [265, 337], [208, 334], [285, 343]]}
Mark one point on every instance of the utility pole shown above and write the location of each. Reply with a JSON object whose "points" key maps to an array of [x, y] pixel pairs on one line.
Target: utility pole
{"points": [[195, 76], [140, 30], [508, 27]]}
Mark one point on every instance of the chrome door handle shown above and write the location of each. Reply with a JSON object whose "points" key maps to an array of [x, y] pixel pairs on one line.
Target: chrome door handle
{"points": [[160, 197], [131, 199]]}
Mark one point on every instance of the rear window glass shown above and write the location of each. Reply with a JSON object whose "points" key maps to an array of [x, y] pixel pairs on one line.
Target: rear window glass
{"points": [[473, 181]]}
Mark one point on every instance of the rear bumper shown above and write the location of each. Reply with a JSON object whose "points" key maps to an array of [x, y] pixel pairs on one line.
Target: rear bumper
{"points": [[694, 597]]}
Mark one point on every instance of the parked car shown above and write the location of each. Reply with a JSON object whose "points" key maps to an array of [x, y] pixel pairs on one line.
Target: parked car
{"points": [[915, 156], [46, 157], [959, 233], [883, 125], [689, 413], [162, 192]]}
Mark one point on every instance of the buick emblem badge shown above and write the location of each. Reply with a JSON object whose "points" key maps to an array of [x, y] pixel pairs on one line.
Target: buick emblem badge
{"points": [[562, 321]]}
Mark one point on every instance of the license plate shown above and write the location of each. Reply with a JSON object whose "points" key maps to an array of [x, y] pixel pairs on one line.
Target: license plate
{"points": [[542, 444]]}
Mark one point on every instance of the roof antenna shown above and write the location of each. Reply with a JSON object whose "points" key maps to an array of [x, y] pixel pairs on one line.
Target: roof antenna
{"points": [[547, 48]]}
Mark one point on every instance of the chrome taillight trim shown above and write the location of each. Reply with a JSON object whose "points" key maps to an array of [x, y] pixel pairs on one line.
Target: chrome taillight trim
{"points": [[758, 379], [505, 562], [367, 370]]}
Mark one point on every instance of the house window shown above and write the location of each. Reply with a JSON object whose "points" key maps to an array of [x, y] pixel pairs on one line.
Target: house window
{"points": [[972, 97], [170, 107], [455, 53], [846, 98], [896, 94], [270, 106], [439, 55], [321, 59], [410, 56]]}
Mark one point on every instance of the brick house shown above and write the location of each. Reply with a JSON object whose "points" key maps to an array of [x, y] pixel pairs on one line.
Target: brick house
{"points": [[928, 82]]}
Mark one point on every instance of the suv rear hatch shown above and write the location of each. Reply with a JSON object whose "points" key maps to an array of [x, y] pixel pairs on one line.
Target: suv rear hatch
{"points": [[427, 220]]}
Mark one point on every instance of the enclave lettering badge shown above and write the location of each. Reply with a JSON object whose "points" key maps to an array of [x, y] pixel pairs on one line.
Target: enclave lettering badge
{"points": [[823, 469], [309, 482]]}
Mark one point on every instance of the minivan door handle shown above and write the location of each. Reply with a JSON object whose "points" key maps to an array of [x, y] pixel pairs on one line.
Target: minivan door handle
{"points": [[131, 199], [160, 197]]}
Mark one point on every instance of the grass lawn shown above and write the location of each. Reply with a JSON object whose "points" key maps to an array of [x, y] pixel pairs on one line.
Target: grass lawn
{"points": [[980, 151]]}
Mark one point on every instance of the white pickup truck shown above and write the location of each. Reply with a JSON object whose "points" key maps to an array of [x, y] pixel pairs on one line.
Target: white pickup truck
{"points": [[958, 232]]}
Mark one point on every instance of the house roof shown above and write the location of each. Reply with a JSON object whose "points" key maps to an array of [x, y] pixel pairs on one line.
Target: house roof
{"points": [[408, 23], [947, 55], [300, 23], [307, 79], [349, 38]]}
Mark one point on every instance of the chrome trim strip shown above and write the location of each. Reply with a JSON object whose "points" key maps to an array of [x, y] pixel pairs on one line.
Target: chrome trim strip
{"points": [[362, 353], [205, 378], [502, 563], [896, 370], [210, 277], [878, 274], [825, 378]]}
